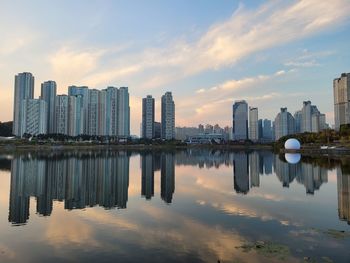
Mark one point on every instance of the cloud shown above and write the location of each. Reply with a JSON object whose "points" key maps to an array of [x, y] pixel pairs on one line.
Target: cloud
{"points": [[234, 85], [70, 66], [308, 59], [224, 44]]}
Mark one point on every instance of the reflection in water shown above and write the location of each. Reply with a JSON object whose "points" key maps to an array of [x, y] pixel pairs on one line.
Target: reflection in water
{"points": [[240, 173], [167, 177], [96, 180], [103, 179], [147, 177], [343, 183]]}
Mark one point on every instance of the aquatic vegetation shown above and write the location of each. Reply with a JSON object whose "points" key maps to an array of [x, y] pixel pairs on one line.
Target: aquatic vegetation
{"points": [[267, 249]]}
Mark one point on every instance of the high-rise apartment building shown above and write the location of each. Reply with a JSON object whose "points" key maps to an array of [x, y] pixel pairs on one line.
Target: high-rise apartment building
{"points": [[284, 124], [341, 91], [240, 120], [157, 130], [33, 117], [48, 94], [93, 115], [168, 117], [24, 89], [308, 118], [83, 91], [61, 114], [306, 112], [267, 129], [112, 111], [298, 121], [123, 112], [148, 117], [253, 124], [72, 116]]}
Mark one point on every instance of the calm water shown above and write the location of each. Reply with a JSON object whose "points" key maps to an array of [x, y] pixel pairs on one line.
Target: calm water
{"points": [[183, 206]]}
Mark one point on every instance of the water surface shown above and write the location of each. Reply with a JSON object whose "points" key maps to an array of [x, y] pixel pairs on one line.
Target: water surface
{"points": [[172, 206]]}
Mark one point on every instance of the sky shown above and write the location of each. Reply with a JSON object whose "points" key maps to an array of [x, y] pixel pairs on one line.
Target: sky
{"points": [[273, 54]]}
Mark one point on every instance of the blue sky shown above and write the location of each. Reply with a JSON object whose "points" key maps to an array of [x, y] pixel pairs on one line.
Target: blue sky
{"points": [[208, 53]]}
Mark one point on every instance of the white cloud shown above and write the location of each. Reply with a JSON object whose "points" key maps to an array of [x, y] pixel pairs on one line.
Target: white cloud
{"points": [[224, 44]]}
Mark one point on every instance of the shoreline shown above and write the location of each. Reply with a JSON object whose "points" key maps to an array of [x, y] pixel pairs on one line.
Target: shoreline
{"points": [[305, 150], [64, 147]]}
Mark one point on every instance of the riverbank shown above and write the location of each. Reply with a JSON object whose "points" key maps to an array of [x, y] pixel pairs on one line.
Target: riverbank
{"points": [[318, 150], [8, 148]]}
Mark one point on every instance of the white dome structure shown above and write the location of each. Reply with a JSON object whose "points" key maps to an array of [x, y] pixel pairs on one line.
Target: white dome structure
{"points": [[292, 144], [292, 158]]}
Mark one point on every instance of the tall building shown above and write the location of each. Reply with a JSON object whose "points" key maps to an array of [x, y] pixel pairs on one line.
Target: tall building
{"points": [[48, 94], [298, 121], [284, 124], [253, 124], [308, 117], [306, 113], [157, 130], [123, 112], [72, 116], [61, 114], [240, 120], [24, 89], [33, 117], [93, 116], [260, 128], [267, 129], [148, 117], [83, 91], [112, 111], [341, 91], [168, 117], [102, 113]]}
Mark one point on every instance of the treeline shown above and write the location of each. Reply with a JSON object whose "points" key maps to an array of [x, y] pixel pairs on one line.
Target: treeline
{"points": [[6, 129], [328, 136]]}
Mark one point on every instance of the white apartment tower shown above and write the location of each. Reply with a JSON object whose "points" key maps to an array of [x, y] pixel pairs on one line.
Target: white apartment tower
{"points": [[33, 117], [253, 124], [284, 124]]}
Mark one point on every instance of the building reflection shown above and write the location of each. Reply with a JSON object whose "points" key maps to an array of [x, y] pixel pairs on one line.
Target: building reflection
{"points": [[343, 185], [248, 167], [147, 175], [79, 182], [102, 179], [167, 174], [240, 173]]}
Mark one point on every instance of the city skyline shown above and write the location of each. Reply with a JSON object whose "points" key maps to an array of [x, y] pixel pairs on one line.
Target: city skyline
{"points": [[213, 52]]}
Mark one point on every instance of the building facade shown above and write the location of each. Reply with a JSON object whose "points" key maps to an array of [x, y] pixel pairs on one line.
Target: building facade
{"points": [[33, 117], [284, 124], [253, 124], [341, 92], [148, 117], [123, 112], [240, 120], [48, 94], [61, 114], [24, 89], [168, 117]]}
